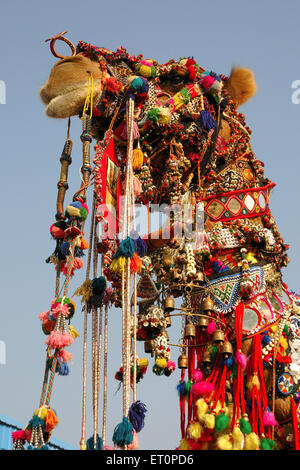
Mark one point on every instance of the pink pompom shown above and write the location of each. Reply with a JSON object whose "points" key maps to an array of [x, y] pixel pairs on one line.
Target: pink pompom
{"points": [[207, 82], [241, 358], [109, 448], [197, 376], [64, 355], [202, 388], [67, 339], [171, 365], [211, 327], [43, 316], [269, 419], [77, 263], [18, 435], [61, 308]]}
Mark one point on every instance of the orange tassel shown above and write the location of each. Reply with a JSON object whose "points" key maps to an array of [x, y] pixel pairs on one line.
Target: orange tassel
{"points": [[135, 263]]}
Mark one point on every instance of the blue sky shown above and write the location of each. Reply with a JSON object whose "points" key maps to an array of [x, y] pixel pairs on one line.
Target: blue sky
{"points": [[261, 35]]}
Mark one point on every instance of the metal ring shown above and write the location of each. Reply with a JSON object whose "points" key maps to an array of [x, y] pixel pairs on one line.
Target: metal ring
{"points": [[59, 36]]}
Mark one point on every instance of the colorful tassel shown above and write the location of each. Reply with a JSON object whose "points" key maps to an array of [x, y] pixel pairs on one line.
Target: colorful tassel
{"points": [[123, 433], [136, 415]]}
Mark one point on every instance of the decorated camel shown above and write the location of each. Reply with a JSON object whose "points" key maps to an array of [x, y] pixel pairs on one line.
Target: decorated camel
{"points": [[168, 136]]}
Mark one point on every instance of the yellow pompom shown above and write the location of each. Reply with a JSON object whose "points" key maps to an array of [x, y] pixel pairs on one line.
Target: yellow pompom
{"points": [[210, 421], [274, 328], [184, 445], [252, 441], [251, 258], [283, 342], [137, 158], [41, 412], [73, 331], [238, 438], [161, 362], [143, 362], [202, 408], [195, 430], [145, 71], [164, 116], [224, 442], [118, 264]]}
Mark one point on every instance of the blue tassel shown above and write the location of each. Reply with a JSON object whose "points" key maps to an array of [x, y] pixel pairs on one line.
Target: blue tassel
{"points": [[123, 433], [90, 443], [62, 368], [206, 120], [181, 388], [139, 85], [35, 422], [64, 248], [126, 248], [136, 415], [98, 285], [265, 339], [79, 253], [45, 447]]}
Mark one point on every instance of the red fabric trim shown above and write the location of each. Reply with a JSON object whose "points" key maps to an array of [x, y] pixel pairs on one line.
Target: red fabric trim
{"points": [[239, 191]]}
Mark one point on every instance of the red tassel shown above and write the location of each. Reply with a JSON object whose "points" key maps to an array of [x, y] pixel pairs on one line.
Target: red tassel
{"points": [[295, 424]]}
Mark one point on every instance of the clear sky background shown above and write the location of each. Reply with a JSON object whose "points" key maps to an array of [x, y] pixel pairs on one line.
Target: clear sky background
{"points": [[262, 35]]}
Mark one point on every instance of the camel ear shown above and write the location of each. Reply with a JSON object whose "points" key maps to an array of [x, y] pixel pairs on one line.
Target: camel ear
{"points": [[241, 85]]}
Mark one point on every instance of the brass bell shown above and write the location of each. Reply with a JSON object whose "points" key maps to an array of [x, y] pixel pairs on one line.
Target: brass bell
{"points": [[203, 322], [226, 349], [206, 360], [169, 305], [148, 346], [168, 320], [218, 336], [183, 361], [189, 331], [199, 277], [208, 304]]}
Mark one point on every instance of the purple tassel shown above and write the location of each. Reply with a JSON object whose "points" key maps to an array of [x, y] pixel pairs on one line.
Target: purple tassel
{"points": [[136, 415], [207, 121]]}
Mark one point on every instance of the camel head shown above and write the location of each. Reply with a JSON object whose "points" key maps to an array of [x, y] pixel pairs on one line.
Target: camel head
{"points": [[65, 91]]}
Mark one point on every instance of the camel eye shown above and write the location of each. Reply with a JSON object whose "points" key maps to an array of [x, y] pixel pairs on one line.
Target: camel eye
{"points": [[176, 79]]}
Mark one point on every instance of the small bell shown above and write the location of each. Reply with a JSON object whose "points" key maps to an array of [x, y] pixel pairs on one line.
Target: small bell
{"points": [[218, 336], [199, 277], [189, 331], [148, 347], [203, 322], [168, 320], [206, 360], [183, 361], [208, 304], [226, 349], [169, 305]]}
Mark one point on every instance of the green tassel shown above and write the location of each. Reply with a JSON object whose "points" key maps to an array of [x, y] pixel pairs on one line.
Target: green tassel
{"points": [[188, 387], [267, 444], [245, 426], [90, 443], [123, 433], [153, 114], [221, 422]]}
